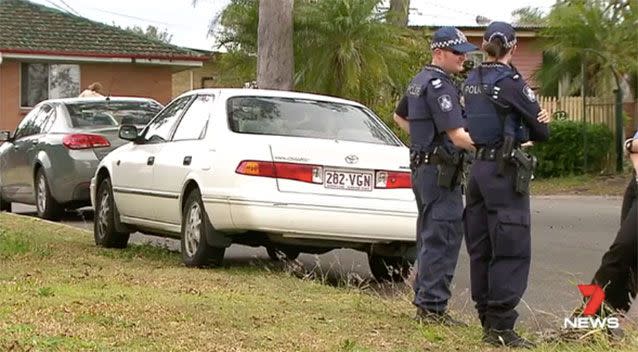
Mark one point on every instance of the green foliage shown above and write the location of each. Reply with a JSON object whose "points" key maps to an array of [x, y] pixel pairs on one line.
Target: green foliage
{"points": [[529, 16], [12, 245], [342, 47], [564, 153], [601, 32], [152, 32], [384, 108]]}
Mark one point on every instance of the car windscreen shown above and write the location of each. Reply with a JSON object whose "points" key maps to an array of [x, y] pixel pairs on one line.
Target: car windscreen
{"points": [[306, 118], [111, 113]]}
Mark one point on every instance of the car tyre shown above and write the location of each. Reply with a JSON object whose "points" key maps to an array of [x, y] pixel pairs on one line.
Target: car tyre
{"points": [[104, 230], [47, 207], [4, 205], [196, 252], [282, 254], [389, 269]]}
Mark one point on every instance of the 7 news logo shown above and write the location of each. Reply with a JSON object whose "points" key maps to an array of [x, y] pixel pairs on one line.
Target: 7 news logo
{"points": [[589, 320]]}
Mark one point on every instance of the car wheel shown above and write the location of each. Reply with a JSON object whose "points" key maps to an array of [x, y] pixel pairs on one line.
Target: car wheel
{"points": [[4, 205], [48, 208], [104, 219], [389, 269], [281, 254], [196, 252]]}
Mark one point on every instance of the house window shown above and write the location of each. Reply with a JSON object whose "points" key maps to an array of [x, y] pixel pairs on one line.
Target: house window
{"points": [[48, 81], [477, 57]]}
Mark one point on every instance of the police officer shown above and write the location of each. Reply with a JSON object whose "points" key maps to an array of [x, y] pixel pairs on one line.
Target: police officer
{"points": [[436, 126], [618, 271], [502, 113]]}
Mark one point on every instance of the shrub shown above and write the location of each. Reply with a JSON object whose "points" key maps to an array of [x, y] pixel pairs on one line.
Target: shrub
{"points": [[385, 111], [563, 154]]}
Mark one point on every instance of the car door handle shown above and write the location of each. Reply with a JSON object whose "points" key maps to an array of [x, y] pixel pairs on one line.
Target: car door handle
{"points": [[150, 161], [187, 160]]}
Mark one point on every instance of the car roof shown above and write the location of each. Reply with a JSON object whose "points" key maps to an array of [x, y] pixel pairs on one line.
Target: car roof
{"points": [[96, 100], [232, 92]]}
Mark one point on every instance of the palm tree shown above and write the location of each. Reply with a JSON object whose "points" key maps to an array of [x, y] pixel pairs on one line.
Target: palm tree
{"points": [[341, 47], [345, 48], [398, 12], [258, 37], [602, 33], [275, 59]]}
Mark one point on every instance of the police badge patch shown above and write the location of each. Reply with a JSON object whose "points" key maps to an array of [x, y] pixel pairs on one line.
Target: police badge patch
{"points": [[445, 102], [529, 93]]}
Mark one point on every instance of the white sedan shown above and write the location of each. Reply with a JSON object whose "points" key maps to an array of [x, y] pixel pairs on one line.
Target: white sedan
{"points": [[293, 172]]}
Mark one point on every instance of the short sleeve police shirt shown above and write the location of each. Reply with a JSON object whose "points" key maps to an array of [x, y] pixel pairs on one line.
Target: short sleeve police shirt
{"points": [[402, 107], [517, 93], [443, 101]]}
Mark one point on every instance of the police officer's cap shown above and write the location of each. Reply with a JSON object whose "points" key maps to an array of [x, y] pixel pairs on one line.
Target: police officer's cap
{"points": [[503, 30], [452, 39]]}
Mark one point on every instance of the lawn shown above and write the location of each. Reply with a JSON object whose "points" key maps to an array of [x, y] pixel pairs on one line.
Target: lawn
{"points": [[58, 292], [593, 185]]}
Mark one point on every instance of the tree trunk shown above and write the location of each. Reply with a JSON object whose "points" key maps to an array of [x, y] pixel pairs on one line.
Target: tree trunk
{"points": [[398, 12], [275, 57]]}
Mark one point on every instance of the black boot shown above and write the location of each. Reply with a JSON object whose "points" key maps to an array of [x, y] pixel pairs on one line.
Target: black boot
{"points": [[507, 338], [439, 318]]}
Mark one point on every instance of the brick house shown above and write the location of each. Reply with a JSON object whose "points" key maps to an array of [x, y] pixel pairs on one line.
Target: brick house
{"points": [[206, 76], [529, 52], [46, 53]]}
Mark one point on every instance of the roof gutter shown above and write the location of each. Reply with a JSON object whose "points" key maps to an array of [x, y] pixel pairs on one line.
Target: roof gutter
{"points": [[48, 55]]}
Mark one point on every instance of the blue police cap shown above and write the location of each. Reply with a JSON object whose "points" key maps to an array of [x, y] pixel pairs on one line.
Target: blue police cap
{"points": [[451, 38], [503, 30]]}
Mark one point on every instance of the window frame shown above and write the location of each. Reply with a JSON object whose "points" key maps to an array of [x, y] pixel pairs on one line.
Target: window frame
{"points": [[21, 82], [396, 141], [27, 121], [181, 118], [482, 58], [142, 137]]}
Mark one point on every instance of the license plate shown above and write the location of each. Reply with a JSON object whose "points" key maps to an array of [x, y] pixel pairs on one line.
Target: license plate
{"points": [[348, 180]]}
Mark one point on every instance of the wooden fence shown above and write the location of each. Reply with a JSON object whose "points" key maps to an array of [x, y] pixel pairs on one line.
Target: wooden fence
{"points": [[598, 110]]}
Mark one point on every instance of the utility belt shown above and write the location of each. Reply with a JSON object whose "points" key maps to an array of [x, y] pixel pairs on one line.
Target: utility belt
{"points": [[450, 166], [524, 163]]}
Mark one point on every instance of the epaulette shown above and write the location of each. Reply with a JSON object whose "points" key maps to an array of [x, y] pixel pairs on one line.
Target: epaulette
{"points": [[516, 76], [436, 83]]}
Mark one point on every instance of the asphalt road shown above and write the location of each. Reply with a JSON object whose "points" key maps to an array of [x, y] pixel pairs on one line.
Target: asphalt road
{"points": [[569, 234]]}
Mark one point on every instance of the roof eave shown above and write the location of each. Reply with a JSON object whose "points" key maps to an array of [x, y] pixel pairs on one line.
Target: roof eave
{"points": [[79, 56]]}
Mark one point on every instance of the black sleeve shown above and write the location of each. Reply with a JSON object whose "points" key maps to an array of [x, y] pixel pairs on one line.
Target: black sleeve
{"points": [[445, 107], [520, 96], [402, 108]]}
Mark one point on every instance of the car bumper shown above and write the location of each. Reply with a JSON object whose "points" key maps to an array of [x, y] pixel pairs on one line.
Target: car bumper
{"points": [[70, 176], [326, 217]]}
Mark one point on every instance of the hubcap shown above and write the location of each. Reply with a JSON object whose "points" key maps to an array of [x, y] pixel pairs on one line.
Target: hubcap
{"points": [[192, 229], [103, 214], [42, 193]]}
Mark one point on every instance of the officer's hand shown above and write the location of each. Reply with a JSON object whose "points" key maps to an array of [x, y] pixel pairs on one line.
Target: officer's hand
{"points": [[527, 144], [543, 117]]}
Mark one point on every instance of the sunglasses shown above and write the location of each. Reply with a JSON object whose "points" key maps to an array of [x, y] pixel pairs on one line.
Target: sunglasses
{"points": [[455, 52]]}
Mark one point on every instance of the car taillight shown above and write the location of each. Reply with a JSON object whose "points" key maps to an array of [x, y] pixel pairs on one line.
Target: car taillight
{"points": [[393, 179], [290, 171], [85, 141]]}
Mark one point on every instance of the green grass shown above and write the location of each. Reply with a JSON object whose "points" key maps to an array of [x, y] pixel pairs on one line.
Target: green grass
{"points": [[595, 185], [58, 292]]}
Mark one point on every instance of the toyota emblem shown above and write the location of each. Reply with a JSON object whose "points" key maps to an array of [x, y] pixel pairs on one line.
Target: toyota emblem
{"points": [[352, 159]]}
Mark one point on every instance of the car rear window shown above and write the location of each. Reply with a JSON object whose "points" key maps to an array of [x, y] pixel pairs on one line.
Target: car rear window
{"points": [[112, 113], [306, 118]]}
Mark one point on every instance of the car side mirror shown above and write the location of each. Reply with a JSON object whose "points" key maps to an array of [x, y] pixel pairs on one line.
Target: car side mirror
{"points": [[128, 132], [5, 136]]}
